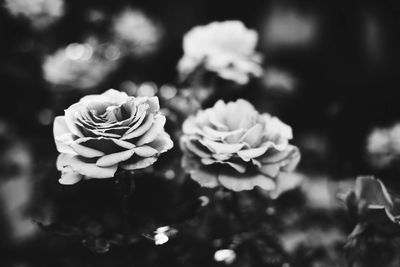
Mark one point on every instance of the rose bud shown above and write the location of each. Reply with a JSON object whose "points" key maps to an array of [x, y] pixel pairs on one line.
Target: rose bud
{"points": [[374, 207]]}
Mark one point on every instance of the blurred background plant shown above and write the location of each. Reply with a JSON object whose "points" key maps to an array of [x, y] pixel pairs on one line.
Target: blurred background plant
{"points": [[329, 71]]}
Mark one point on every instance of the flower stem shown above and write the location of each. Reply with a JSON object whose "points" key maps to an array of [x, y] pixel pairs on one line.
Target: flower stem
{"points": [[236, 210], [125, 186]]}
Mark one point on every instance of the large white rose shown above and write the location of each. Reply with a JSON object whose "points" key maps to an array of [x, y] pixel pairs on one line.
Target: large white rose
{"points": [[227, 48], [103, 132], [233, 145]]}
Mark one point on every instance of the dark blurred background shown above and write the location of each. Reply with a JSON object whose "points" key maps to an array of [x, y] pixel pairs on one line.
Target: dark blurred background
{"points": [[334, 77]]}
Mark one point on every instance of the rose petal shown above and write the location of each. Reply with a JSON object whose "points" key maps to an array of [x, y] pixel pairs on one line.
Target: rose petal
{"points": [[241, 114], [145, 151], [194, 148], [141, 164], [154, 131], [141, 129], [111, 95], [62, 136], [139, 117], [162, 143], [69, 176], [253, 136], [230, 137], [90, 170], [273, 155], [115, 158], [84, 151], [154, 105], [123, 144], [246, 182], [271, 170], [204, 178], [221, 148], [372, 191], [247, 154], [287, 181], [70, 118], [293, 160]]}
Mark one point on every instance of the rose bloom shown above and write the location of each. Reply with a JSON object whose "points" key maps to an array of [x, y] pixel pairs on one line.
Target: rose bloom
{"points": [[232, 145], [40, 12], [374, 207], [383, 146], [227, 48], [79, 65], [137, 33], [103, 132]]}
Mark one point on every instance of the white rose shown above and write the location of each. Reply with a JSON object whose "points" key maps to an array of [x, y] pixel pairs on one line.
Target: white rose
{"points": [[226, 48], [233, 145], [103, 132]]}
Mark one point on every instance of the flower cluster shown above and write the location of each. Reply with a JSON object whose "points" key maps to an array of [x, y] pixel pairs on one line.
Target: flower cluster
{"points": [[103, 132], [233, 145], [226, 48]]}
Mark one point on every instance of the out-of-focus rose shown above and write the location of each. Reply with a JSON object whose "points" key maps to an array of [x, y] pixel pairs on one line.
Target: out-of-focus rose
{"points": [[40, 12], [80, 65], [383, 146], [227, 48], [374, 207], [231, 144], [103, 132], [137, 33]]}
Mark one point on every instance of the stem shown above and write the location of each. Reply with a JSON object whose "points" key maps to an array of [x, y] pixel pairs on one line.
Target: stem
{"points": [[237, 212], [270, 241], [125, 186]]}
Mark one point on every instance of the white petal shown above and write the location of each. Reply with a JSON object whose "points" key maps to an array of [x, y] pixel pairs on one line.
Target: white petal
{"points": [[141, 129], [141, 164], [62, 136], [90, 170], [70, 118], [145, 151], [244, 182], [123, 144], [84, 151], [154, 131], [253, 135], [204, 178], [162, 143], [221, 148], [115, 158], [69, 176], [271, 170], [247, 154]]}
